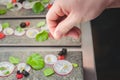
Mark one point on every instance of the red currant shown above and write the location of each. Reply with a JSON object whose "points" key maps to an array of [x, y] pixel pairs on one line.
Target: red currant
{"points": [[14, 1], [27, 23], [49, 6], [19, 76], [61, 57], [2, 35]]}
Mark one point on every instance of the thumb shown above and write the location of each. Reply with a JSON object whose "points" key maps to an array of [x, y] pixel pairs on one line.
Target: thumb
{"points": [[65, 25]]}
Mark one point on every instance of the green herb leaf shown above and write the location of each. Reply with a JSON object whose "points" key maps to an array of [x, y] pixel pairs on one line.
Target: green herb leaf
{"points": [[2, 68], [13, 60], [5, 25], [75, 65], [36, 61], [40, 24], [19, 29], [38, 7], [7, 72], [42, 36], [45, 1], [9, 5], [3, 11], [48, 72]]}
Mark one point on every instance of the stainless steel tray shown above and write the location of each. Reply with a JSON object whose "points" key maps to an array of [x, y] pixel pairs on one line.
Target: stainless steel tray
{"points": [[23, 53], [25, 41]]}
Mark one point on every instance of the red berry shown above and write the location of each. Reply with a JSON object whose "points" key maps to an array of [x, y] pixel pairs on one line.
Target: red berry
{"points": [[49, 6], [14, 1], [27, 23], [19, 76], [2, 35], [61, 57]]}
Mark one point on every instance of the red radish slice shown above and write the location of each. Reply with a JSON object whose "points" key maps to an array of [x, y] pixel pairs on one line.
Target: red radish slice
{"points": [[14, 1], [50, 59], [0, 27], [27, 5], [31, 33], [27, 23], [17, 6], [8, 69], [62, 67], [17, 33], [8, 31], [23, 66]]}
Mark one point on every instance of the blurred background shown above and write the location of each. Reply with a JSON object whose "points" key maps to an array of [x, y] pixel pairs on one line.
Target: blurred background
{"points": [[106, 38]]}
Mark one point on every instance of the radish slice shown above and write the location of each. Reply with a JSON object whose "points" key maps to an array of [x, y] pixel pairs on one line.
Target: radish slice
{"points": [[0, 27], [50, 59], [8, 31], [23, 66], [5, 2], [17, 6], [6, 69], [63, 67], [28, 5], [17, 33], [31, 33]]}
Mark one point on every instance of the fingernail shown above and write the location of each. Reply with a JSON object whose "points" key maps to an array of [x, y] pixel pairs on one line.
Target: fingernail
{"points": [[57, 34]]}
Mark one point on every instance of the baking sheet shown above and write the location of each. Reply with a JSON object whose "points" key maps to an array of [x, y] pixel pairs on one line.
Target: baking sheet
{"points": [[23, 53], [13, 40]]}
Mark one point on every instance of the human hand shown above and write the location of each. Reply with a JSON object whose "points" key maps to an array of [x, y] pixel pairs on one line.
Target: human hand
{"points": [[65, 14]]}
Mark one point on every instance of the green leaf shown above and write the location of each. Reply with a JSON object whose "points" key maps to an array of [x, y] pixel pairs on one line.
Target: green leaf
{"points": [[45, 1], [5, 25], [42, 36], [36, 61], [19, 29], [7, 72], [3, 11], [48, 72], [13, 60], [75, 65], [38, 7], [9, 5], [2, 68], [40, 24]]}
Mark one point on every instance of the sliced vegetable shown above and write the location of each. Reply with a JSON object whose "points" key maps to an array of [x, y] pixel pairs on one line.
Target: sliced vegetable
{"points": [[31, 33], [2, 35], [50, 59], [5, 25], [48, 72], [41, 23], [3, 11], [8, 31], [36, 61], [17, 6], [9, 69], [0, 27], [14, 60], [19, 31], [45, 1], [23, 66], [62, 67], [38, 7], [27, 5], [42, 36]]}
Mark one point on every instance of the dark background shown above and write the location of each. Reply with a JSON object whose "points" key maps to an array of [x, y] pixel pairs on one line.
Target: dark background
{"points": [[106, 39]]}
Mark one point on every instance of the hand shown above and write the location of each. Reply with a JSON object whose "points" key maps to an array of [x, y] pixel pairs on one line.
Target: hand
{"points": [[65, 14]]}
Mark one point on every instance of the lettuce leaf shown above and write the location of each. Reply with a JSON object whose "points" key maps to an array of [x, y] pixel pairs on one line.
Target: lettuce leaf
{"points": [[36, 61], [13, 60]]}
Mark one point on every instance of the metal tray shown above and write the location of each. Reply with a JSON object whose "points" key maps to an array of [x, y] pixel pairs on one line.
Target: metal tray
{"points": [[25, 41], [23, 53]]}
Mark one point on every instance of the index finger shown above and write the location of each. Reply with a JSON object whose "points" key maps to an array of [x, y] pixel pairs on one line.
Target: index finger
{"points": [[52, 16]]}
